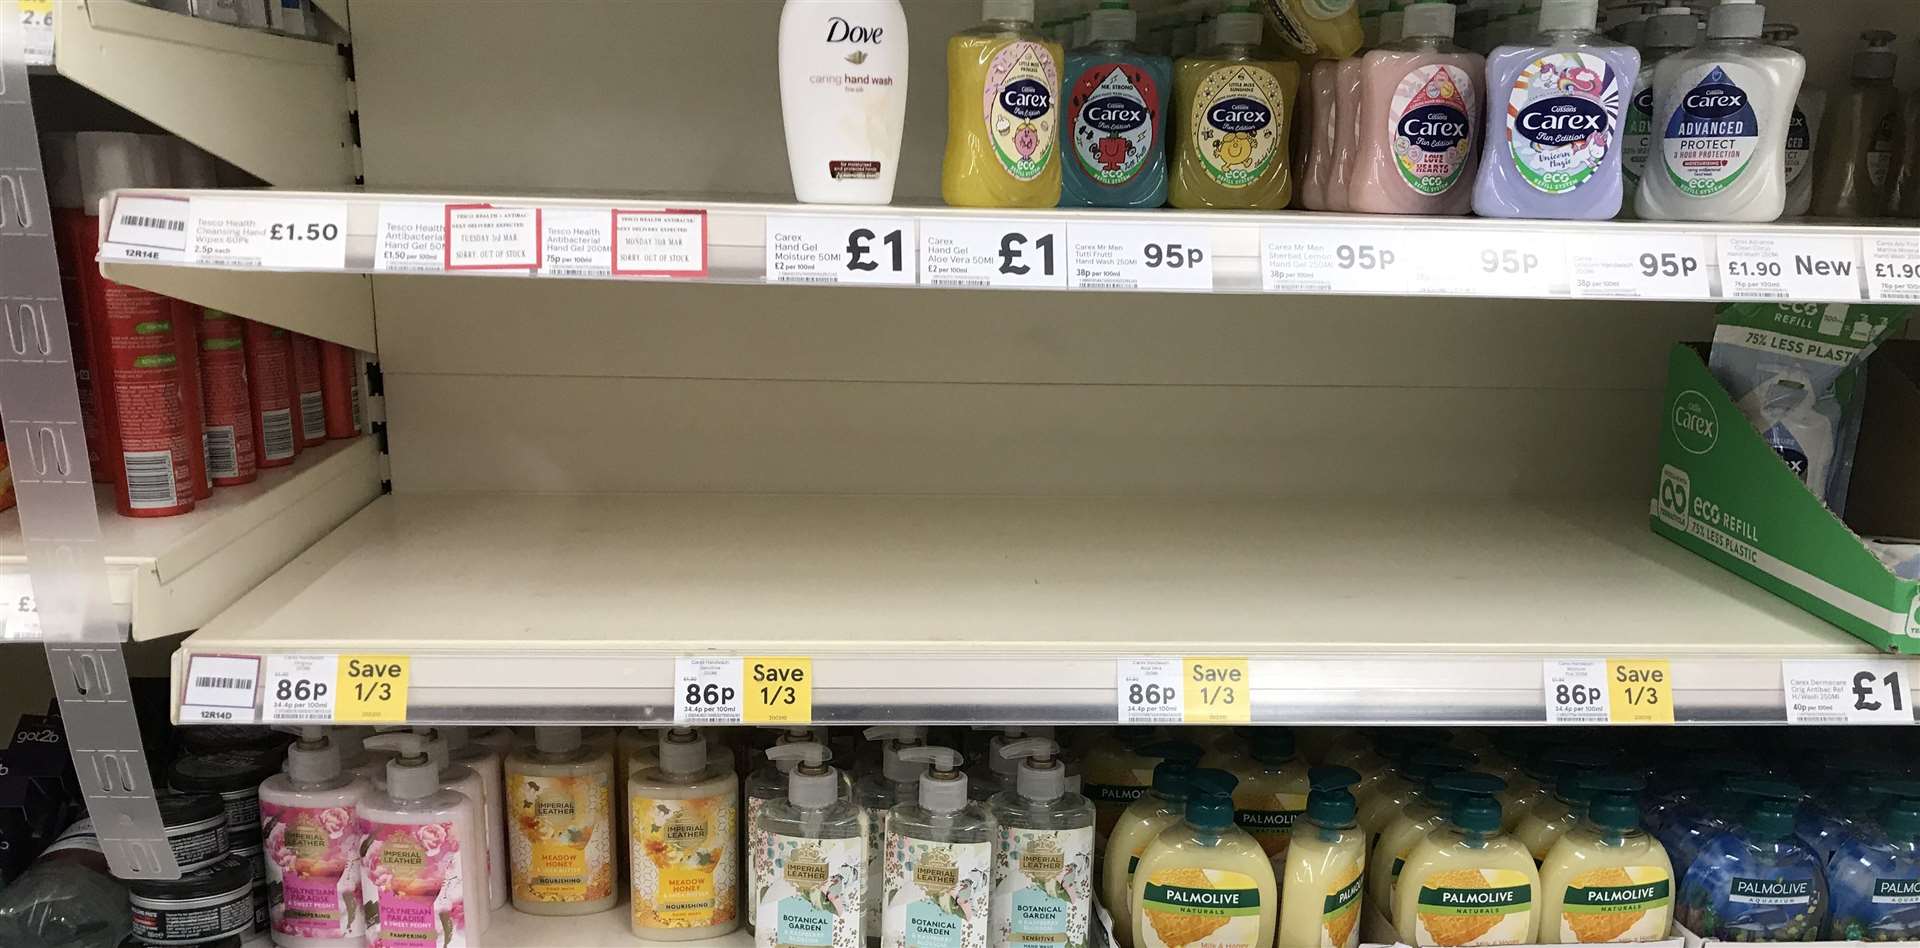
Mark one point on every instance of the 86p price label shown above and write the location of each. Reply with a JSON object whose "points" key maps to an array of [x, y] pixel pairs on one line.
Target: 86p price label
{"points": [[1150, 691], [300, 688]]}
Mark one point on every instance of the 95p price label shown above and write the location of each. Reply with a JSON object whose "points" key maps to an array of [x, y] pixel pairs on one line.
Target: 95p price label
{"points": [[1150, 691], [1140, 257], [1332, 260], [1639, 266]]}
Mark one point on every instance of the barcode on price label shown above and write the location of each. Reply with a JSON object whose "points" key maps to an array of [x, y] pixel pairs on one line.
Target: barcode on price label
{"points": [[220, 688], [1150, 691], [147, 229]]}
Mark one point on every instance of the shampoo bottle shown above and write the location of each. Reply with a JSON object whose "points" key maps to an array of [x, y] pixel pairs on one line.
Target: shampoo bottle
{"points": [[1203, 882], [1876, 878], [310, 824], [423, 873], [1271, 793], [1419, 107], [1803, 128], [1003, 98], [1230, 143], [1159, 808], [1721, 112], [1607, 880], [1854, 162], [1468, 883], [815, 861], [1756, 881], [1320, 889], [1555, 113], [843, 94], [1667, 32], [939, 860], [561, 837], [1043, 867], [683, 813], [897, 781], [1113, 139]]}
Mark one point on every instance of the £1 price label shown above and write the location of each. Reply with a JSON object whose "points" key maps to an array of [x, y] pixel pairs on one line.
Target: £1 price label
{"points": [[1847, 691], [1576, 690], [1216, 690], [779, 690], [1140, 257], [300, 689], [1150, 691], [373, 689], [1639, 691], [881, 251], [1010, 253]]}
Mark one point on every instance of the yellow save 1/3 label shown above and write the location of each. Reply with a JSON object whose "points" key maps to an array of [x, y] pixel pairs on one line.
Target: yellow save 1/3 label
{"points": [[778, 690], [1216, 691], [373, 689], [1639, 691]]}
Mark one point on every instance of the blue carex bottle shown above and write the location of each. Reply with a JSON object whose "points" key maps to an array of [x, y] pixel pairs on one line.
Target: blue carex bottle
{"points": [[1114, 135]]}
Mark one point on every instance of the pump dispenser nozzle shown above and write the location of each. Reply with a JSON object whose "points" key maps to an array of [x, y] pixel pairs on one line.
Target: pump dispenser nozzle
{"points": [[683, 751], [943, 787], [412, 775], [814, 783], [1877, 60], [1736, 19], [559, 739], [1042, 775], [898, 737], [313, 758]]}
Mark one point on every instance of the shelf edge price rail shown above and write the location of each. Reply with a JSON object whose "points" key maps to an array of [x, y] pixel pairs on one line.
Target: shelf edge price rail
{"points": [[746, 690]]}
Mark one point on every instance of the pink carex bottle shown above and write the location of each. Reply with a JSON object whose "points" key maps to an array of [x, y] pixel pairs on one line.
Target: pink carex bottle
{"points": [[1420, 101]]}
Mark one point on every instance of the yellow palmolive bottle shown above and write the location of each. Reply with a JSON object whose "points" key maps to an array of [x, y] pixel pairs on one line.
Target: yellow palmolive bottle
{"points": [[1607, 880], [1551, 817], [1321, 883], [1272, 792], [1143, 820], [1118, 772], [1203, 882], [1426, 811], [1468, 883], [1230, 130], [1003, 112]]}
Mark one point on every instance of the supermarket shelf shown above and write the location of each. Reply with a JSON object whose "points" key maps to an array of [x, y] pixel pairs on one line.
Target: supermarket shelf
{"points": [[274, 106], [335, 308], [521, 608], [608, 929], [173, 574], [1248, 252]]}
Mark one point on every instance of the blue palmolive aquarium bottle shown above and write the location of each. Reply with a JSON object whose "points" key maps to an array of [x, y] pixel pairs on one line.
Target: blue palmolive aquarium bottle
{"points": [[1756, 881], [1875, 876], [1114, 135]]}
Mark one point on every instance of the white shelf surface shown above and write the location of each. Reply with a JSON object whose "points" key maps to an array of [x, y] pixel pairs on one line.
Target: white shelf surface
{"points": [[1432, 252], [173, 574], [522, 608]]}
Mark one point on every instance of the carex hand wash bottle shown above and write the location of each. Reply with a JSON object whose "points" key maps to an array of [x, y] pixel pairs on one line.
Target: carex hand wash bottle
{"points": [[1113, 136], [1003, 112], [1204, 882], [1607, 879], [1320, 895], [1231, 107], [1468, 883]]}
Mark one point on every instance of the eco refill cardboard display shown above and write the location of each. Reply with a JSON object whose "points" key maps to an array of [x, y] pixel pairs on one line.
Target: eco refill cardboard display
{"points": [[1725, 494]]}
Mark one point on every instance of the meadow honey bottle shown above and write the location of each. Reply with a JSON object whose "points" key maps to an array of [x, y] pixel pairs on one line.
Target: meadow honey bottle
{"points": [[1003, 112], [684, 813], [560, 825], [1230, 131]]}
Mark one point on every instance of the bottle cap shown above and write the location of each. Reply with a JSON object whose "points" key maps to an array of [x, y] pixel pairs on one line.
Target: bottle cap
{"points": [[313, 758], [814, 783], [1183, 751], [557, 739], [1331, 801], [1561, 15], [1042, 775], [109, 161], [1902, 821], [411, 775], [1615, 798], [1672, 28], [1780, 33], [1771, 811], [1273, 745], [683, 751], [1006, 766], [60, 160], [436, 747], [1392, 23], [1171, 778], [1428, 18], [1112, 21], [1877, 60], [1736, 19], [1210, 799], [943, 785], [1007, 10], [1237, 25], [1474, 810]]}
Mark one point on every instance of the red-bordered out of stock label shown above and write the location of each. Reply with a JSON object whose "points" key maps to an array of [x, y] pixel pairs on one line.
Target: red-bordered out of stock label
{"points": [[516, 233], [669, 243]]}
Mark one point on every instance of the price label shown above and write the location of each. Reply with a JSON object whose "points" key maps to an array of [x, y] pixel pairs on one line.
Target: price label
{"points": [[221, 688], [1893, 269], [1331, 260], [1650, 266], [269, 235], [1639, 691], [1150, 691], [484, 237], [1216, 691], [19, 616], [147, 229], [871, 250], [1497, 263], [1803, 269], [373, 689], [1140, 257], [992, 253], [707, 691], [300, 689], [660, 243], [411, 237], [576, 242], [36, 22], [1577, 691], [779, 690], [1848, 691]]}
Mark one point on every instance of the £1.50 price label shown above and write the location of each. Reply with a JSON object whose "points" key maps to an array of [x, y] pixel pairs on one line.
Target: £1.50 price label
{"points": [[1639, 691], [372, 689], [1216, 690], [779, 690]]}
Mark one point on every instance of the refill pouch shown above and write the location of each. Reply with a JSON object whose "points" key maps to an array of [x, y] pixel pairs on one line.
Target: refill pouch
{"points": [[1796, 372]]}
